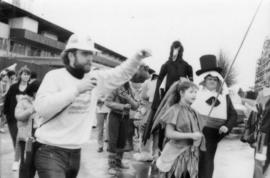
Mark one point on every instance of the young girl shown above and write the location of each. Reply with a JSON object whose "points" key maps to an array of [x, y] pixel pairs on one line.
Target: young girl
{"points": [[180, 155]]}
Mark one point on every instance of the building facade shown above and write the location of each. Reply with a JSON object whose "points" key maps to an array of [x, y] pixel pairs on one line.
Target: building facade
{"points": [[24, 35], [263, 67]]}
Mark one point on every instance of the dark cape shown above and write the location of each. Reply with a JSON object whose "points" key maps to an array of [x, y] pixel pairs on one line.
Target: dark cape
{"points": [[173, 70]]}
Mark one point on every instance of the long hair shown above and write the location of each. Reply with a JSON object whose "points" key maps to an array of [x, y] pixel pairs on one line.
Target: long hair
{"points": [[174, 45], [32, 88], [22, 70]]}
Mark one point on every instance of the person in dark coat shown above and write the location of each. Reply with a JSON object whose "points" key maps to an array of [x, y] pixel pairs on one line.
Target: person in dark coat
{"points": [[215, 107], [262, 146], [10, 103], [174, 68]]}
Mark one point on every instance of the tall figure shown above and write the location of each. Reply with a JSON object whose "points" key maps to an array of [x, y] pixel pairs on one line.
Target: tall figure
{"points": [[174, 68], [218, 114]]}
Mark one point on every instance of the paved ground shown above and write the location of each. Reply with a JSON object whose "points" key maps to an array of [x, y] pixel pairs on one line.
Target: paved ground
{"points": [[233, 160]]}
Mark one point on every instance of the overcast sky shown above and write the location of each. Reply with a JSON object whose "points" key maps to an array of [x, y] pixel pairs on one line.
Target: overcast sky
{"points": [[203, 27]]}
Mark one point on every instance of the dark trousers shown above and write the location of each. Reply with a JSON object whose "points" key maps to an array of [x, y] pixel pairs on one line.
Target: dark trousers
{"points": [[13, 131], [120, 132], [56, 162], [206, 161], [261, 171], [27, 169]]}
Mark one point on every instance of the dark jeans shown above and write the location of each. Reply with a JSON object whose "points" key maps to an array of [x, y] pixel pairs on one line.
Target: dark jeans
{"points": [[56, 162], [13, 130], [27, 169], [206, 161]]}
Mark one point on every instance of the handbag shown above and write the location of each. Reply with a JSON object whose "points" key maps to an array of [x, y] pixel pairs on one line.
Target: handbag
{"points": [[31, 146]]}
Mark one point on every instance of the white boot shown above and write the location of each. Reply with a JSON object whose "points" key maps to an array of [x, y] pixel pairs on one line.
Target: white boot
{"points": [[15, 166]]}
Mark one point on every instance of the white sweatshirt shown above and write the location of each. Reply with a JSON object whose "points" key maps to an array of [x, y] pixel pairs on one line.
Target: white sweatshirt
{"points": [[72, 127]]}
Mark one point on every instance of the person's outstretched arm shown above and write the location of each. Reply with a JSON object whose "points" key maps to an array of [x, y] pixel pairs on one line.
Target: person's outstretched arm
{"points": [[111, 79]]}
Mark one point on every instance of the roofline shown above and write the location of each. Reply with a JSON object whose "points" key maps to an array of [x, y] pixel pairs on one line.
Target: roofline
{"points": [[39, 19], [100, 47], [35, 17]]}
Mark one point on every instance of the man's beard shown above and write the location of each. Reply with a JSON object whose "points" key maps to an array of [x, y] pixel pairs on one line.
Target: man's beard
{"points": [[80, 67], [78, 70]]}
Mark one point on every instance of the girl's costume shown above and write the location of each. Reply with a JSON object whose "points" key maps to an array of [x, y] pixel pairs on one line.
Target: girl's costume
{"points": [[179, 156]]}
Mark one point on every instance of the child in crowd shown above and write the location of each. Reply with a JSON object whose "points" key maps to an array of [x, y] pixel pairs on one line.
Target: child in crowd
{"points": [[184, 137]]}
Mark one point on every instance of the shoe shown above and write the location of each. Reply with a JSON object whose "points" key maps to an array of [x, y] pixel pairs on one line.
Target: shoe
{"points": [[113, 171], [100, 149], [93, 126], [15, 166]]}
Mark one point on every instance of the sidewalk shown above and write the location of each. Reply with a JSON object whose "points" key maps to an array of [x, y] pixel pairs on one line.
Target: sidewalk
{"points": [[233, 160]]}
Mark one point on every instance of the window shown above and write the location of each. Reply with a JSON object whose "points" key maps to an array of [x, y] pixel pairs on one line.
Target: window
{"points": [[17, 48], [34, 52], [3, 43]]}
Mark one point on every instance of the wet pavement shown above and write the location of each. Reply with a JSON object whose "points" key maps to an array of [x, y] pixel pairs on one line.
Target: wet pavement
{"points": [[233, 160]]}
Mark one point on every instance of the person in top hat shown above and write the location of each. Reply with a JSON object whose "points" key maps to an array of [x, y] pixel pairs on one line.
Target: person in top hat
{"points": [[66, 102], [215, 107]]}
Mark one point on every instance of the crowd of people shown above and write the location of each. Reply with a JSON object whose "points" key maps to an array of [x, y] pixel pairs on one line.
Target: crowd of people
{"points": [[176, 124]]}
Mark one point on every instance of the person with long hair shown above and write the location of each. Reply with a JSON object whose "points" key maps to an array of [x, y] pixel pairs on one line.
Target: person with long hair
{"points": [[180, 155], [10, 103], [26, 118]]}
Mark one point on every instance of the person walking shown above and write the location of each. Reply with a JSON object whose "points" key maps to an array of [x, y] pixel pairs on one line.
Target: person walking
{"points": [[26, 119], [67, 99], [121, 101], [10, 103], [102, 126], [180, 155], [218, 113]]}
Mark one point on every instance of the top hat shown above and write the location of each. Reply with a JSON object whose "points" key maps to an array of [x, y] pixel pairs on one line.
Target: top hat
{"points": [[208, 63]]}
